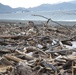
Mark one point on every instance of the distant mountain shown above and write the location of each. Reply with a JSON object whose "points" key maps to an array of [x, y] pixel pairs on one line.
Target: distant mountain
{"points": [[44, 7], [8, 9], [5, 8], [50, 7]]}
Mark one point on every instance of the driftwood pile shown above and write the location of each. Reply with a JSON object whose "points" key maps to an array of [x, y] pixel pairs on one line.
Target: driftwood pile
{"points": [[37, 50]]}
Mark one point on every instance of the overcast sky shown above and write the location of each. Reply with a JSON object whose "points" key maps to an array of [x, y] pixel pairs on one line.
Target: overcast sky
{"points": [[29, 3]]}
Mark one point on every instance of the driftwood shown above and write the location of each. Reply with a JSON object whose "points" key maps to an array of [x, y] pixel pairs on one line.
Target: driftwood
{"points": [[49, 19], [5, 51], [24, 55], [6, 61], [13, 37], [13, 58], [58, 51], [32, 50]]}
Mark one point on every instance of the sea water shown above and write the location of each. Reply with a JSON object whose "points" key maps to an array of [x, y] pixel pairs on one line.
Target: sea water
{"points": [[54, 15]]}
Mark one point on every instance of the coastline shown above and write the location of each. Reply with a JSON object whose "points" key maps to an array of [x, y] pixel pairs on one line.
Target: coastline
{"points": [[39, 22]]}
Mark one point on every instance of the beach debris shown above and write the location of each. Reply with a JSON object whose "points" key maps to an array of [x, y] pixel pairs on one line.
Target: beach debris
{"points": [[37, 50]]}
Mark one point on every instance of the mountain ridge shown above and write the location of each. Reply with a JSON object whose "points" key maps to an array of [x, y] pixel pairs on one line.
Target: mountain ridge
{"points": [[8, 9], [42, 7], [49, 7]]}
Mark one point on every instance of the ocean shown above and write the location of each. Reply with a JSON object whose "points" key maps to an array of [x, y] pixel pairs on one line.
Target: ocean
{"points": [[54, 15]]}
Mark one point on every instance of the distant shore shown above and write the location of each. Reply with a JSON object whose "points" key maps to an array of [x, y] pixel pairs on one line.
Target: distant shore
{"points": [[39, 22]]}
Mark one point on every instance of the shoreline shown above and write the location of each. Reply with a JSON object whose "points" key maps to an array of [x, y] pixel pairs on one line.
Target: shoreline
{"points": [[40, 22]]}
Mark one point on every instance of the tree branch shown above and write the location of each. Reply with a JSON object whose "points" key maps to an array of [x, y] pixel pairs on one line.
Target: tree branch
{"points": [[49, 19]]}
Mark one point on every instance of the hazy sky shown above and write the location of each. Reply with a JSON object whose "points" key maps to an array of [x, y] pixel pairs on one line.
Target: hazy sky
{"points": [[29, 3]]}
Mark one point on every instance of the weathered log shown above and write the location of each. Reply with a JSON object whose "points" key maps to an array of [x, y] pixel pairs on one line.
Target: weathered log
{"points": [[19, 52], [13, 58], [5, 51], [13, 37], [23, 55], [31, 49], [63, 50], [6, 61]]}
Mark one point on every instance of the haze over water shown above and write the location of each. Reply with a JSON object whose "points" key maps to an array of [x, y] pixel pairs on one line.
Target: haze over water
{"points": [[54, 15]]}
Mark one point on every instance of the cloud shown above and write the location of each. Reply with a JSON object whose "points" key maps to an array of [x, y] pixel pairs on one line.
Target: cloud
{"points": [[30, 3]]}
